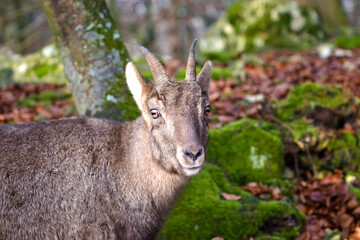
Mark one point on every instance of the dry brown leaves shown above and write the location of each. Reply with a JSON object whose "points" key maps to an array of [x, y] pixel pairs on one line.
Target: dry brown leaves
{"points": [[306, 66], [274, 79], [355, 235], [11, 112], [326, 202], [328, 205], [262, 192]]}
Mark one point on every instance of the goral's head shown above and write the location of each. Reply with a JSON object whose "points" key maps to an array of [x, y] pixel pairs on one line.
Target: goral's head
{"points": [[175, 113]]}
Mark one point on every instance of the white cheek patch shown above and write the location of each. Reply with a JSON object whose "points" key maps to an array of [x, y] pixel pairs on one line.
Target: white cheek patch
{"points": [[134, 82], [179, 155], [200, 112]]}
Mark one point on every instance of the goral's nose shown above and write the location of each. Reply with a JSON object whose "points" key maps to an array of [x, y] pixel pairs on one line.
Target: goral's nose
{"points": [[193, 151]]}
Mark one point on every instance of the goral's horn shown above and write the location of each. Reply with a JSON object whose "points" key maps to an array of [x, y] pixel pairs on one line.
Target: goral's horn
{"points": [[191, 65], [156, 68]]}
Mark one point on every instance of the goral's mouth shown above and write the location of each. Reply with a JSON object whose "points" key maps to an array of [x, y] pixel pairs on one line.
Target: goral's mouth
{"points": [[190, 171]]}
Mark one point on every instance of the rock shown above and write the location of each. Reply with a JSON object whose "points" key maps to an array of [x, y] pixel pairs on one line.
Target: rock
{"points": [[246, 152], [305, 97], [202, 213], [320, 120]]}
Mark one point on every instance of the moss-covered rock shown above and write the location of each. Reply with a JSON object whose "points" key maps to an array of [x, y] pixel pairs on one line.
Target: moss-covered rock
{"points": [[301, 128], [346, 153], [312, 114], [246, 152], [202, 213], [252, 25], [305, 97], [43, 66]]}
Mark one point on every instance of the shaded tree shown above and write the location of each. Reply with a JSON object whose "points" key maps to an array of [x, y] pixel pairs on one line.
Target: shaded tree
{"points": [[94, 57], [331, 11]]}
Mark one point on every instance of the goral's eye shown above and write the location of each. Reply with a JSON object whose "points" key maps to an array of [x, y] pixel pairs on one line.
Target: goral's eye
{"points": [[154, 113], [207, 110]]}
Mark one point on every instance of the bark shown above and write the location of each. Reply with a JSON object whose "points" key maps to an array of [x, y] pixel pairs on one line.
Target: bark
{"points": [[21, 22], [331, 12], [93, 55], [354, 15], [166, 29]]}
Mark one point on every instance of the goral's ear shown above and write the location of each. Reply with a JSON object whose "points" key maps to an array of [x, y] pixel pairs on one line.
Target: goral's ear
{"points": [[138, 86], [204, 77]]}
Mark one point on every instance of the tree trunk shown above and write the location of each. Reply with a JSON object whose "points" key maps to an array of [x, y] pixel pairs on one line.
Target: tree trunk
{"points": [[331, 12], [21, 22], [354, 15], [93, 55]]}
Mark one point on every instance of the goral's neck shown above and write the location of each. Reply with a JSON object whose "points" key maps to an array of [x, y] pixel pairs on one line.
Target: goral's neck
{"points": [[151, 177]]}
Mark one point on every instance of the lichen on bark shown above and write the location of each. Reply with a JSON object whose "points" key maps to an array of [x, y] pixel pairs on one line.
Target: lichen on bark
{"points": [[94, 57]]}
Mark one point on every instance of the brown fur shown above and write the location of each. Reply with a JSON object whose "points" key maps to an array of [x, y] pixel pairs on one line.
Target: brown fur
{"points": [[88, 178]]}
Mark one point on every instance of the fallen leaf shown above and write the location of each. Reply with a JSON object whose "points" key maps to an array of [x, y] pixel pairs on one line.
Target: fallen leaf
{"points": [[355, 235], [228, 196]]}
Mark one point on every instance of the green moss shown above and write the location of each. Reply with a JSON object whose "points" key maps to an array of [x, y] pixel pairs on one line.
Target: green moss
{"points": [[180, 75], [45, 98], [95, 62], [347, 42], [218, 176], [219, 56], [220, 73], [246, 152], [216, 73], [118, 102], [293, 113], [201, 212], [346, 153], [147, 75], [27, 102], [258, 25], [43, 66], [300, 128], [273, 211], [356, 192], [305, 97], [286, 186]]}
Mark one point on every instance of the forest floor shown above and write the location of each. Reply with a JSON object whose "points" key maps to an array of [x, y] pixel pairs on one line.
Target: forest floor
{"points": [[326, 201]]}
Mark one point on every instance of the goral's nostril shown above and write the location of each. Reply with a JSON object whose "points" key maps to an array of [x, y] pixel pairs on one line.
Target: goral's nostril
{"points": [[193, 155], [199, 153]]}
